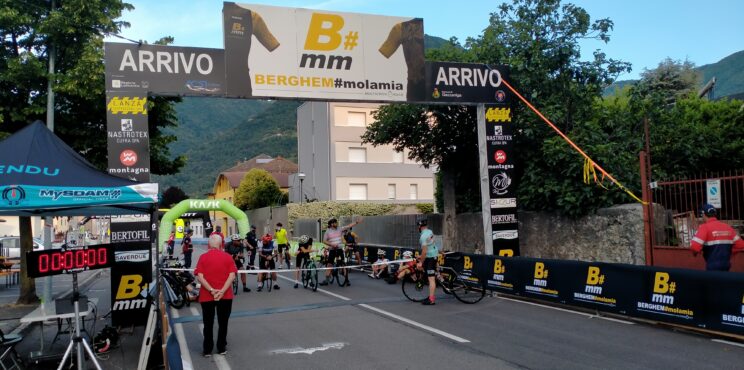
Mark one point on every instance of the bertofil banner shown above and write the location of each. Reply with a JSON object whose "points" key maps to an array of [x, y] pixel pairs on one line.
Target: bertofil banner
{"points": [[313, 54]]}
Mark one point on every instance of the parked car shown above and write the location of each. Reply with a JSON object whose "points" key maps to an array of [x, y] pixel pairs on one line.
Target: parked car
{"points": [[10, 246]]}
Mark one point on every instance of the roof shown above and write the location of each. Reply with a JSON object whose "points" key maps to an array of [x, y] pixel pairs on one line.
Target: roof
{"points": [[280, 168]]}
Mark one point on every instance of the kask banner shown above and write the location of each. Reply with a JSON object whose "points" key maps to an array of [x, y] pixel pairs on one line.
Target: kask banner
{"points": [[313, 54], [164, 70], [130, 278]]}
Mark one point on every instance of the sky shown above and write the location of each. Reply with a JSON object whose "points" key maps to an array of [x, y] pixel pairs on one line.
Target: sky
{"points": [[645, 33]]}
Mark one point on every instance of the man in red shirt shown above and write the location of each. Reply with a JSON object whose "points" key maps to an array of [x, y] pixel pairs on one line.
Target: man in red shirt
{"points": [[216, 271], [716, 240], [218, 231]]}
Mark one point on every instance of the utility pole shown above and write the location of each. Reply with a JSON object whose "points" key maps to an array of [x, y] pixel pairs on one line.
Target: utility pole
{"points": [[47, 293]]}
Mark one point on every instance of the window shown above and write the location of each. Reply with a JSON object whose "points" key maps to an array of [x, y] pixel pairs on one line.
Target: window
{"points": [[357, 191], [413, 191], [356, 119], [391, 191], [358, 155], [397, 157]]}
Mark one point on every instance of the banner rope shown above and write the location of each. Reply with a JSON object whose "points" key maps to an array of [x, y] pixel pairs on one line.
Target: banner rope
{"points": [[263, 271], [587, 160]]}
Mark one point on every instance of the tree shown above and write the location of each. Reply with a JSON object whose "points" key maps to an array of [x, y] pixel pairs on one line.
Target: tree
{"points": [[539, 40], [172, 196], [258, 189], [75, 31], [668, 82]]}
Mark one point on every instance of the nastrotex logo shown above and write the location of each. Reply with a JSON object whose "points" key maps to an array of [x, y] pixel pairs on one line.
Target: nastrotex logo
{"points": [[325, 34], [127, 105]]}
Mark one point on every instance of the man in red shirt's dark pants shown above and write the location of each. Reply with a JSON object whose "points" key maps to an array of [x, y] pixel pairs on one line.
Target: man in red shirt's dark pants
{"points": [[216, 271]]}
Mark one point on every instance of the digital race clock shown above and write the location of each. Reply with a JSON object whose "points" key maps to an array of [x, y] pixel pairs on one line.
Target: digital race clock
{"points": [[64, 261]]}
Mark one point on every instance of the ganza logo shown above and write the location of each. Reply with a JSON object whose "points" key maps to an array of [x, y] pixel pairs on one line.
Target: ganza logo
{"points": [[127, 105], [500, 183], [128, 157], [14, 195], [498, 115]]}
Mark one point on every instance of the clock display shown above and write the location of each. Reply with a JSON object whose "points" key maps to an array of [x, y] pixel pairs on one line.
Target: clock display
{"points": [[64, 261]]}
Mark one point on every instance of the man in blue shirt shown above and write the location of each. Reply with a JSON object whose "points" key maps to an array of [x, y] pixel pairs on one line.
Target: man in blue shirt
{"points": [[428, 258]]}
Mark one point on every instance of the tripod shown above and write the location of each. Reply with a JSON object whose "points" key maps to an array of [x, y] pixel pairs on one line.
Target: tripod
{"points": [[77, 341]]}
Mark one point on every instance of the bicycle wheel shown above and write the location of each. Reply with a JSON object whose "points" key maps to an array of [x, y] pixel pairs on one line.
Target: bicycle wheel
{"points": [[269, 281], [235, 285], [342, 273], [305, 273], [334, 275], [416, 290], [314, 277], [174, 293], [446, 282], [467, 291]]}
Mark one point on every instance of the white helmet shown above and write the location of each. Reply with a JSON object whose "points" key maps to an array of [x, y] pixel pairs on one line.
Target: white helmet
{"points": [[407, 254], [235, 237]]}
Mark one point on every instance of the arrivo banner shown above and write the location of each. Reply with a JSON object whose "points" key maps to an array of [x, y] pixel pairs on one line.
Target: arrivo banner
{"points": [[301, 53], [702, 299], [164, 70], [466, 83]]}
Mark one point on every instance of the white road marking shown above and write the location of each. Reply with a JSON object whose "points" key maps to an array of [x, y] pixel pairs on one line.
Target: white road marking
{"points": [[728, 342], [591, 316], [399, 318], [178, 328], [416, 324], [309, 351]]}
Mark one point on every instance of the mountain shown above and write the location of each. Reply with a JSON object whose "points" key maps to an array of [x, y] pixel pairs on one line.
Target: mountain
{"points": [[215, 133], [729, 74]]}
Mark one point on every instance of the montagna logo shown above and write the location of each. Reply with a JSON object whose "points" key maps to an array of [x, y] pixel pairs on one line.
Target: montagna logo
{"points": [[79, 193], [28, 169]]}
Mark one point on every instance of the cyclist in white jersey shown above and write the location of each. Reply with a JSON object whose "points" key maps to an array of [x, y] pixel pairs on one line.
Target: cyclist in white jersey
{"points": [[333, 238]]}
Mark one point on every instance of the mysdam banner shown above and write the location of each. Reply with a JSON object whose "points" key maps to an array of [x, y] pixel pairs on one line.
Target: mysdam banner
{"points": [[164, 70], [314, 54]]}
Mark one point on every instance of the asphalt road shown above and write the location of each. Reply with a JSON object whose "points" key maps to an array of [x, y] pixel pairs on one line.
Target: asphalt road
{"points": [[371, 325]]}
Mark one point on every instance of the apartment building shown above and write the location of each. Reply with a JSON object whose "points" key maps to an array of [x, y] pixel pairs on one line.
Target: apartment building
{"points": [[337, 166]]}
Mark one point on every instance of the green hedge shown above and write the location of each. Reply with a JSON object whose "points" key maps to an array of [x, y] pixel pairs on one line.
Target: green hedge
{"points": [[330, 209]]}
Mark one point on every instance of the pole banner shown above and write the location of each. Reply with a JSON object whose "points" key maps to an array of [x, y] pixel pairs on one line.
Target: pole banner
{"points": [[502, 179], [277, 52]]}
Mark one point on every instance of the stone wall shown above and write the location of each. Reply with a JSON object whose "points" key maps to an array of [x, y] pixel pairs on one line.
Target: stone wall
{"points": [[613, 234]]}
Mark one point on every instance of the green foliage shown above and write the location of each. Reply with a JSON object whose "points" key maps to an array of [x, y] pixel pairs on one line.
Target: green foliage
{"points": [[172, 196], [258, 189], [76, 28], [425, 208], [332, 209], [668, 82], [214, 134]]}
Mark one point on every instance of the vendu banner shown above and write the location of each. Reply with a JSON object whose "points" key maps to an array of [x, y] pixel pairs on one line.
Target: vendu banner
{"points": [[301, 53]]}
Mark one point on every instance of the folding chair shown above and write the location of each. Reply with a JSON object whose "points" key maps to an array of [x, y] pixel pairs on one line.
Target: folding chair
{"points": [[9, 359]]}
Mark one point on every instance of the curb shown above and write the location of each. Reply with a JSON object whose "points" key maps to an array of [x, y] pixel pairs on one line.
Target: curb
{"points": [[23, 326]]}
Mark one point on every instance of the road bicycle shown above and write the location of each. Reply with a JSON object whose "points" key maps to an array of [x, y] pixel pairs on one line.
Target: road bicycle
{"points": [[237, 277], [267, 279], [340, 273], [310, 273], [467, 289]]}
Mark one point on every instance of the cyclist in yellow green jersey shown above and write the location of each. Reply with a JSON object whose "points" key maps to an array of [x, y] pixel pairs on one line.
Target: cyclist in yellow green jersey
{"points": [[282, 244]]}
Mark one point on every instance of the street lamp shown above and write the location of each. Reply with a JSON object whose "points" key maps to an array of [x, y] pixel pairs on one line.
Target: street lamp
{"points": [[302, 178]]}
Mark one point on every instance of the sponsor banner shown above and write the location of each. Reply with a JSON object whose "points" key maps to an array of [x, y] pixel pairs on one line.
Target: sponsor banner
{"points": [[128, 135], [314, 54], [130, 278], [466, 83], [164, 70], [502, 178], [21, 197], [501, 274], [138, 231]]}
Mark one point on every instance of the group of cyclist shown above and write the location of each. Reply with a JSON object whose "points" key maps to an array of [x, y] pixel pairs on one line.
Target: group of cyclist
{"points": [[334, 241]]}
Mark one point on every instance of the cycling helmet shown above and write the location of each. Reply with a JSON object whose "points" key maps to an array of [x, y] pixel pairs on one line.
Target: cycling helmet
{"points": [[235, 237], [407, 254], [189, 231], [708, 210], [380, 252], [266, 238], [422, 222], [332, 221], [304, 239]]}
